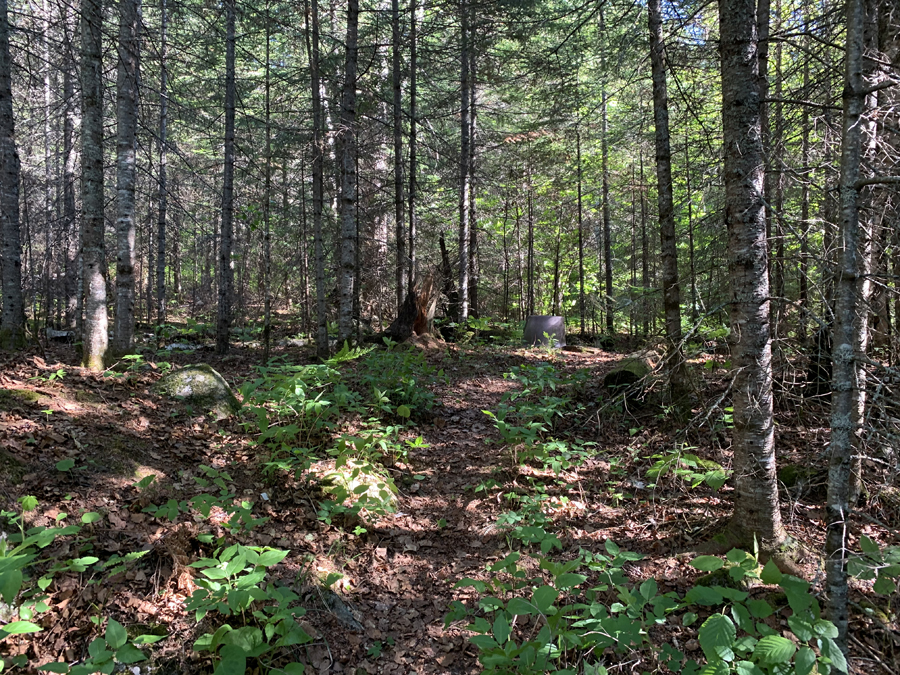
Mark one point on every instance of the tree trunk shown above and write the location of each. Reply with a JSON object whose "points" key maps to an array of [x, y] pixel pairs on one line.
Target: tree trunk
{"points": [[96, 336], [464, 162], [645, 256], [69, 214], [411, 272], [267, 203], [690, 216], [580, 233], [607, 220], [850, 325], [318, 174], [399, 204], [12, 319], [756, 510], [678, 376], [349, 224], [126, 147], [473, 217], [226, 269], [163, 200]]}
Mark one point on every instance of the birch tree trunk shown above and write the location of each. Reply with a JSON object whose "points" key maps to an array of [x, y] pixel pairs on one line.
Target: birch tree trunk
{"points": [[126, 122], [413, 65], [349, 224], [226, 270], [464, 163], [96, 337], [756, 509], [678, 376], [12, 319], [312, 48]]}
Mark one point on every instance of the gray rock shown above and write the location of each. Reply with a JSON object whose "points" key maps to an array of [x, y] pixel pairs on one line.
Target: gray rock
{"points": [[200, 385]]}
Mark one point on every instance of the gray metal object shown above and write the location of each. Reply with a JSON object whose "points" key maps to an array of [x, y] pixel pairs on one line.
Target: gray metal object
{"points": [[545, 331]]}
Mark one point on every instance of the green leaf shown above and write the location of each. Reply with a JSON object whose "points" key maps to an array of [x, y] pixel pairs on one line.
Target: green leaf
{"points": [[90, 517], [501, 628], [611, 547], [518, 606], [269, 558], [28, 502], [649, 588], [10, 585], [707, 563], [115, 634], [544, 597], [869, 546], [294, 669], [747, 668], [688, 619], [569, 580], [802, 628], [716, 638], [403, 411], [65, 464], [806, 659], [833, 653], [884, 585], [20, 628], [771, 574], [128, 653], [55, 667], [234, 661], [741, 616], [825, 628], [706, 596], [759, 609], [774, 649], [714, 668]]}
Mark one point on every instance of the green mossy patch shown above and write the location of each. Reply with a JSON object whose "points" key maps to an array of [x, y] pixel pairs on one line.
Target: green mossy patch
{"points": [[14, 396]]}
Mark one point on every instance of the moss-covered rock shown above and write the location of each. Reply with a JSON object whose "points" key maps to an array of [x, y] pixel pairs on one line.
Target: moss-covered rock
{"points": [[631, 369], [19, 396], [201, 386]]}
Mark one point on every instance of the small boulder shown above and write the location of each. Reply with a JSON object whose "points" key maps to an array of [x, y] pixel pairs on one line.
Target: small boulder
{"points": [[200, 385]]}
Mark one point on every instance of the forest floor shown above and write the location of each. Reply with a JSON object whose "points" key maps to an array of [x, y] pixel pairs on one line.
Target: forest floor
{"points": [[462, 491]]}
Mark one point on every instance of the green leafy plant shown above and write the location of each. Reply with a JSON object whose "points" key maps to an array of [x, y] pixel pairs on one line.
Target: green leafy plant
{"points": [[231, 584], [688, 467], [105, 652], [874, 563]]}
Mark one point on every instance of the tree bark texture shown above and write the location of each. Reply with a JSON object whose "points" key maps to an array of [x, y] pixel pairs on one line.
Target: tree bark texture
{"points": [[607, 219], [96, 337], [852, 290], [349, 224], [12, 319], [678, 376], [411, 271], [756, 510], [163, 200], [318, 174], [464, 165], [399, 202], [226, 269], [126, 147]]}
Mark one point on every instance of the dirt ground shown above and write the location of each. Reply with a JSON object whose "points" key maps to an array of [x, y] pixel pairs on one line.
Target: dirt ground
{"points": [[398, 577]]}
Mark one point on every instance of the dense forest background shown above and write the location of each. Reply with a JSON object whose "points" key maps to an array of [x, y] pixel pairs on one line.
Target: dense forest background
{"points": [[717, 182], [552, 103]]}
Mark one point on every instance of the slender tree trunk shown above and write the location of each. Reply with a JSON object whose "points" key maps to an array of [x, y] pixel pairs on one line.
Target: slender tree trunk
{"points": [[73, 251], [531, 307], [348, 209], [226, 268], [267, 204], [632, 317], [803, 282], [850, 338], [464, 165], [163, 199], [96, 336], [473, 213], [671, 291], [580, 232], [126, 147], [756, 509], [399, 203], [12, 319], [413, 66], [318, 174], [645, 255], [690, 215], [48, 173], [607, 220]]}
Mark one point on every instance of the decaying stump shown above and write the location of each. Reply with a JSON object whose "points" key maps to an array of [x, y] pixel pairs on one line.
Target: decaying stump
{"points": [[417, 313], [631, 369]]}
